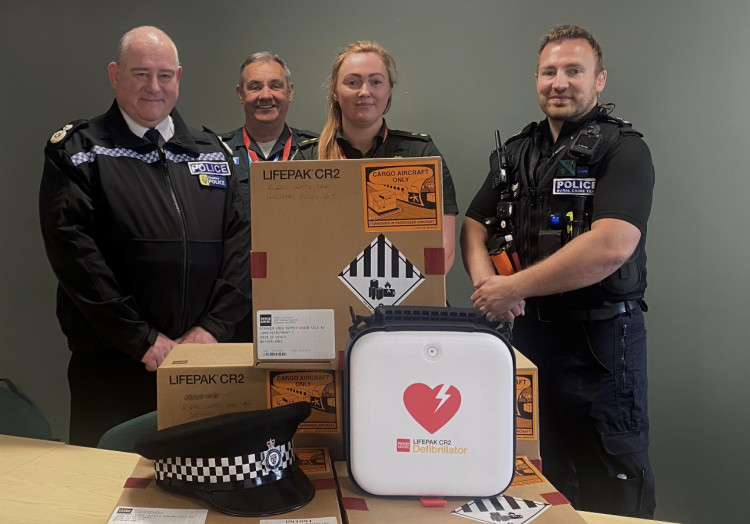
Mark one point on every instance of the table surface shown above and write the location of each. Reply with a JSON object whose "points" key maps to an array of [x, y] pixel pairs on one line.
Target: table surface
{"points": [[51, 482]]}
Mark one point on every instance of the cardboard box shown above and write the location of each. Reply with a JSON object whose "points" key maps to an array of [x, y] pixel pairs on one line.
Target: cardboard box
{"points": [[527, 409], [198, 381], [530, 494], [328, 236], [140, 491]]}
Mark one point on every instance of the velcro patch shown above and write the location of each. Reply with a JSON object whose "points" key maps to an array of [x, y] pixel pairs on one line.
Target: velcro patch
{"points": [[209, 168], [213, 180], [573, 186]]}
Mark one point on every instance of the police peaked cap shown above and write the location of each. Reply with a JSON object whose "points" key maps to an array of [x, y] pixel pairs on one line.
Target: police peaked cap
{"points": [[240, 463]]}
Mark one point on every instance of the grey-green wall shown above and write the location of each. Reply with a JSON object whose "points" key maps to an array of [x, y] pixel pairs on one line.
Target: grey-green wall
{"points": [[678, 69]]}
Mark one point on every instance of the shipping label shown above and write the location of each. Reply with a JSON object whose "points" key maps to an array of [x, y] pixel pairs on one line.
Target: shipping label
{"points": [[301, 334]]}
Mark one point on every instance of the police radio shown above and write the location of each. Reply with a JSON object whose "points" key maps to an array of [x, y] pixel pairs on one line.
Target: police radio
{"points": [[500, 244], [502, 179]]}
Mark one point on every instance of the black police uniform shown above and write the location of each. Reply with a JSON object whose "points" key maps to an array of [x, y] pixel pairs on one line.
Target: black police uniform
{"points": [[235, 141], [589, 344], [391, 143], [142, 240]]}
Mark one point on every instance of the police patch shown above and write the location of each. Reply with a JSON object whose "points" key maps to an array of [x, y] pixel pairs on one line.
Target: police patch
{"points": [[212, 180], [573, 186], [209, 168], [57, 136]]}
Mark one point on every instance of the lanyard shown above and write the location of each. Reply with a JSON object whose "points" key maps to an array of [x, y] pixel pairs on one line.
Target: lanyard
{"points": [[253, 156], [375, 154]]}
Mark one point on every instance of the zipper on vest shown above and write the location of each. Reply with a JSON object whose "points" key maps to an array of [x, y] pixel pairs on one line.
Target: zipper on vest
{"points": [[183, 236]]}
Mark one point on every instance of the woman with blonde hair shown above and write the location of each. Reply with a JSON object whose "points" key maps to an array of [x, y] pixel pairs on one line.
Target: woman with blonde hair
{"points": [[359, 94]]}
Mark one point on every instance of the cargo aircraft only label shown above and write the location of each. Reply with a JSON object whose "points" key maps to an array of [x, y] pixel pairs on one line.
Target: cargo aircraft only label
{"points": [[381, 275], [401, 197]]}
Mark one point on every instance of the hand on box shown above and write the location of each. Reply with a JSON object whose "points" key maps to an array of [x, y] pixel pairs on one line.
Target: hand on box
{"points": [[196, 335], [158, 352]]}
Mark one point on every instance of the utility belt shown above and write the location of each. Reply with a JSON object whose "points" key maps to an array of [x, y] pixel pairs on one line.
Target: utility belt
{"points": [[607, 311]]}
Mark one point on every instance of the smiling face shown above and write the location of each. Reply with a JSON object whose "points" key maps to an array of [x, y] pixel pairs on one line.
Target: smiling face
{"points": [[363, 90], [146, 78], [567, 81], [265, 95]]}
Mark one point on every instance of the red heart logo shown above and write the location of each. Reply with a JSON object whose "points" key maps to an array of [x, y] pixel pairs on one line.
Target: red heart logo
{"points": [[432, 407]]}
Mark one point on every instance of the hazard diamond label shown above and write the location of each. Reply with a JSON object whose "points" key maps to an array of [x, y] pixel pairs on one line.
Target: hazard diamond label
{"points": [[381, 275], [502, 508]]}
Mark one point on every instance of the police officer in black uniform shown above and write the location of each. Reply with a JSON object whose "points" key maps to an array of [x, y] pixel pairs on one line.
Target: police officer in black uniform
{"points": [[146, 233], [574, 194], [265, 90]]}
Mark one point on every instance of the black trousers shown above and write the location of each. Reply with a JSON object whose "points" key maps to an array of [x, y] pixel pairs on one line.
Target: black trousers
{"points": [[106, 388], [593, 409]]}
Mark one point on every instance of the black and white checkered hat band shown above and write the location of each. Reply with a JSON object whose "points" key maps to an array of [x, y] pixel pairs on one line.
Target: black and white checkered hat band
{"points": [[222, 470]]}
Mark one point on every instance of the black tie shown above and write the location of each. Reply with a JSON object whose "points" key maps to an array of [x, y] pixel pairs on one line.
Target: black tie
{"points": [[153, 136]]}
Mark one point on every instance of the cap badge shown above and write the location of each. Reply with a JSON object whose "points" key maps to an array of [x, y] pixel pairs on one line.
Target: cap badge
{"points": [[273, 456]]}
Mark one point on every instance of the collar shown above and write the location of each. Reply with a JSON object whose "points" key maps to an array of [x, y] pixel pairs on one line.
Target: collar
{"points": [[278, 146], [350, 151], [119, 133], [165, 127], [569, 127]]}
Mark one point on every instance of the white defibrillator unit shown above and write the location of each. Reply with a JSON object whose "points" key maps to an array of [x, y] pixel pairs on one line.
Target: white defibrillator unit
{"points": [[429, 403]]}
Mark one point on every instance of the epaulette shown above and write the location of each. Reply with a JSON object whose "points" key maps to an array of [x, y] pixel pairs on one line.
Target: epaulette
{"points": [[210, 132], [625, 127], [523, 133], [59, 137], [419, 136], [308, 142], [225, 145], [306, 134], [605, 115], [228, 135], [221, 139]]}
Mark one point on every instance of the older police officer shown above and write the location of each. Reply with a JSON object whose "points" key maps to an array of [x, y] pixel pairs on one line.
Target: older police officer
{"points": [[146, 233]]}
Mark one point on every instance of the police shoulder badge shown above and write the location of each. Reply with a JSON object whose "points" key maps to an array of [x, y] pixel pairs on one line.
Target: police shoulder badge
{"points": [[59, 135]]}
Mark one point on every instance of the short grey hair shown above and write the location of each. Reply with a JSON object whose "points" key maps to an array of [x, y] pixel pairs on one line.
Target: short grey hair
{"points": [[266, 56]]}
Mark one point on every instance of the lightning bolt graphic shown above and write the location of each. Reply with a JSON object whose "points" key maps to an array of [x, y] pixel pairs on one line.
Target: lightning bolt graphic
{"points": [[442, 396]]}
